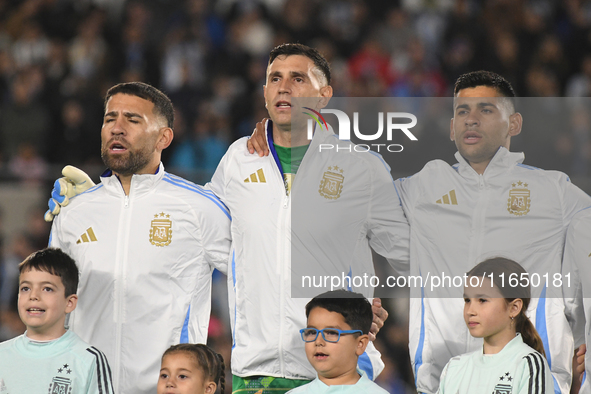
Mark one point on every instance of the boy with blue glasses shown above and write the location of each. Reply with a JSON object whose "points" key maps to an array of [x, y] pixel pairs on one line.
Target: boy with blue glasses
{"points": [[338, 324]]}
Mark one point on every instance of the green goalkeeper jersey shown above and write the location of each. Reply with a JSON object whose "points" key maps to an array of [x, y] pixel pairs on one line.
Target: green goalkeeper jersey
{"points": [[290, 159]]}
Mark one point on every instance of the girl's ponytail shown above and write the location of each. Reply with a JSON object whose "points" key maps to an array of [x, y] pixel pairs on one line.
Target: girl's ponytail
{"points": [[528, 332]]}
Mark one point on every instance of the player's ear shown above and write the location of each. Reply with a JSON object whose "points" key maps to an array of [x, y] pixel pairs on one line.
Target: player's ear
{"points": [[362, 342], [325, 95], [515, 124], [452, 134], [71, 302], [265, 94], [166, 137]]}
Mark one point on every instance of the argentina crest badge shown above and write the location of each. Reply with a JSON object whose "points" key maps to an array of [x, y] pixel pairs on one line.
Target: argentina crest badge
{"points": [[519, 200], [161, 230], [331, 184]]}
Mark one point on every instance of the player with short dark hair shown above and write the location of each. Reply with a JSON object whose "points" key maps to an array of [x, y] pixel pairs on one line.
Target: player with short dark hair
{"points": [[162, 104], [495, 205], [303, 50], [270, 354], [498, 206], [146, 242], [268, 229]]}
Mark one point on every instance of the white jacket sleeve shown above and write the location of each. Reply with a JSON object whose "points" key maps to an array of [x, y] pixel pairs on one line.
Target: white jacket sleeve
{"points": [[389, 232], [408, 191], [221, 237], [215, 235], [55, 234], [575, 252], [574, 199], [219, 182]]}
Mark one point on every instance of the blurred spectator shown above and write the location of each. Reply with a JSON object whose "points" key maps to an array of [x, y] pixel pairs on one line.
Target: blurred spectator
{"points": [[135, 47], [419, 78], [57, 64], [506, 57], [32, 46], [395, 32], [299, 19], [183, 61], [7, 71], [197, 155], [371, 66], [77, 139], [37, 230], [579, 85], [581, 159], [254, 31], [25, 119], [551, 57], [541, 82], [345, 22], [88, 49], [10, 323], [27, 166]]}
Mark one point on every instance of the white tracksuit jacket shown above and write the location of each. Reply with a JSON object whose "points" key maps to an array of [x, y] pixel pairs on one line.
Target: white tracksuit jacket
{"points": [[577, 292], [459, 218], [145, 265], [271, 228]]}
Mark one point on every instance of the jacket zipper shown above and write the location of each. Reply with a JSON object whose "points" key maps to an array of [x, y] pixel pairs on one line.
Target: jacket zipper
{"points": [[282, 255], [120, 265]]}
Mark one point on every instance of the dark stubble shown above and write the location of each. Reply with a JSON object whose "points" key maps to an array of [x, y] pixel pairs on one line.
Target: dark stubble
{"points": [[128, 163]]}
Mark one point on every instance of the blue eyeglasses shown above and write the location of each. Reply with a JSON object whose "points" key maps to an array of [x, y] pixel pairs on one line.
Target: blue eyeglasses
{"points": [[329, 334]]}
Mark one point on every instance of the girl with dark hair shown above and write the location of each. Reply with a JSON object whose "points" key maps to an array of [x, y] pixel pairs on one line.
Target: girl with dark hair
{"points": [[191, 369], [512, 356]]}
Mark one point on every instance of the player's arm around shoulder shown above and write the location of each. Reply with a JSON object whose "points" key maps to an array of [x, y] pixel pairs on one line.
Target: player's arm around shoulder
{"points": [[410, 189], [575, 255], [389, 230], [56, 235], [211, 220], [80, 206]]}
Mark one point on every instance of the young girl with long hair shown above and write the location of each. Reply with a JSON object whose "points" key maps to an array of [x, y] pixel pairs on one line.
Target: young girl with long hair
{"points": [[512, 358]]}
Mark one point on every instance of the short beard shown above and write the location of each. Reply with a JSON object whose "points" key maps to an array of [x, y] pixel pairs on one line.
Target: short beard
{"points": [[128, 165]]}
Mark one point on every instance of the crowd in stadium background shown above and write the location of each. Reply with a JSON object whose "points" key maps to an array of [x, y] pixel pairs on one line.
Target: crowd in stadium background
{"points": [[58, 57]]}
